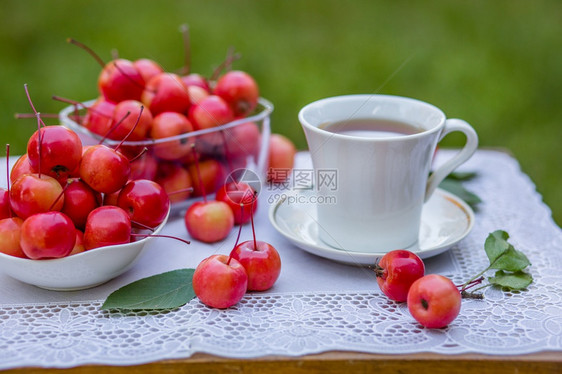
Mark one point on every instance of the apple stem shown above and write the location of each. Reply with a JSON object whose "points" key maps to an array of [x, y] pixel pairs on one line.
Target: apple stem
{"points": [[136, 83], [225, 65], [131, 131], [68, 183], [144, 150], [8, 176], [227, 154], [87, 49], [32, 115], [201, 184], [190, 189], [252, 221], [116, 125], [184, 29], [142, 225], [115, 53], [237, 237], [162, 236]]}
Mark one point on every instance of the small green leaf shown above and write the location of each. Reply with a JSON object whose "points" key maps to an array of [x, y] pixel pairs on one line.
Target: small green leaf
{"points": [[462, 176], [514, 281], [511, 260], [455, 187], [162, 291], [496, 244]]}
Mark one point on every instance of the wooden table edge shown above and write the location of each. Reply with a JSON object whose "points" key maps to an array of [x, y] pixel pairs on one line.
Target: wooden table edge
{"points": [[334, 362]]}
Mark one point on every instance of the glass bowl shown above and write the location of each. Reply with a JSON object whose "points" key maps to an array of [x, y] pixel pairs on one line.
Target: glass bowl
{"points": [[238, 145]]}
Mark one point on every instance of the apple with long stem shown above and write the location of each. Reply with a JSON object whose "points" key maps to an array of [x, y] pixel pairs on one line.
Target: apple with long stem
{"points": [[166, 92], [169, 124], [240, 197], [261, 261], [145, 201], [239, 90], [79, 201], [107, 225]]}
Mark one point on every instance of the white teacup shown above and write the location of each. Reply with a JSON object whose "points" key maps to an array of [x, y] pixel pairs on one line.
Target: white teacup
{"points": [[375, 152]]}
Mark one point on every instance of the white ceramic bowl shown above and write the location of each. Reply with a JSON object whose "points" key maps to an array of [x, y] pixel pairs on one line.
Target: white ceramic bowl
{"points": [[80, 271]]}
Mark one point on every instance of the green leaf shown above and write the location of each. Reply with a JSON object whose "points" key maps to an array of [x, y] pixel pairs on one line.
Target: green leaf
{"points": [[514, 281], [455, 187], [496, 244], [162, 291], [461, 176], [511, 260]]}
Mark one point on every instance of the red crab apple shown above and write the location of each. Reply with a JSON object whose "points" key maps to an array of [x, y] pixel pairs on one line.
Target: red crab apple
{"points": [[107, 225], [79, 201], [243, 140], [5, 208], [209, 221], [47, 235], [261, 261], [135, 126], [212, 111], [281, 158], [147, 68], [120, 80], [396, 271], [175, 180], [99, 116], [220, 281], [169, 124], [79, 244], [60, 154], [10, 235], [196, 94], [104, 169], [212, 175], [197, 80], [239, 90], [146, 202], [240, 197], [32, 194], [434, 301], [166, 92], [21, 167]]}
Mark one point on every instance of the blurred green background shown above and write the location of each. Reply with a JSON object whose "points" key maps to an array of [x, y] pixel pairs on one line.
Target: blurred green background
{"points": [[496, 64]]}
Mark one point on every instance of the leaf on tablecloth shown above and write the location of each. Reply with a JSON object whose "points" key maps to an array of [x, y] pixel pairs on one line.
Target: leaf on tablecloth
{"points": [[168, 290]]}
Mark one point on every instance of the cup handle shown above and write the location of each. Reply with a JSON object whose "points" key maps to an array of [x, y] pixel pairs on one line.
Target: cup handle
{"points": [[463, 155]]}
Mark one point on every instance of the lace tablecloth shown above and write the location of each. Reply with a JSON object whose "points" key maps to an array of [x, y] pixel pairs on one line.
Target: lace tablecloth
{"points": [[316, 305]]}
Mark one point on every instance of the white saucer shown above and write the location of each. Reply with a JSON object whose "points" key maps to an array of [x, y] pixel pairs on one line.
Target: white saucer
{"points": [[446, 220]]}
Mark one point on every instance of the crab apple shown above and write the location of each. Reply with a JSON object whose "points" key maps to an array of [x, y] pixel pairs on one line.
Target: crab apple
{"points": [[120, 80], [104, 169], [168, 124], [111, 198], [10, 235], [197, 80], [131, 126], [146, 202], [434, 301], [212, 111], [147, 68], [99, 116], [166, 92], [60, 153], [196, 94], [240, 197], [79, 244], [281, 158], [396, 271], [239, 90], [21, 167], [32, 194], [144, 167], [174, 178], [209, 221], [220, 281], [243, 140], [261, 261], [47, 235], [107, 225], [5, 208], [79, 201], [212, 176]]}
